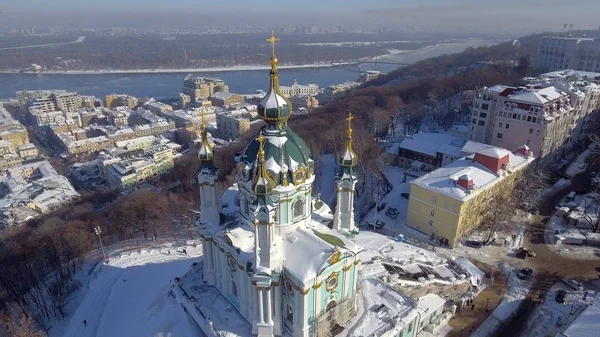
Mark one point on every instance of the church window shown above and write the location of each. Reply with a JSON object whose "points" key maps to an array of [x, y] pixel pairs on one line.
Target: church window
{"points": [[289, 313], [234, 289], [330, 312], [298, 208]]}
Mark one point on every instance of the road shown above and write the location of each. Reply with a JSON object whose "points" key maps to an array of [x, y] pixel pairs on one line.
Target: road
{"points": [[79, 40]]}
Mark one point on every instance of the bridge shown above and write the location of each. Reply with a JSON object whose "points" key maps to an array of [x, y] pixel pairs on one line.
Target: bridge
{"points": [[369, 60], [79, 40]]}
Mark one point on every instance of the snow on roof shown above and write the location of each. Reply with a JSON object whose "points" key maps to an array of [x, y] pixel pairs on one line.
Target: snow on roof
{"points": [[587, 324], [449, 149], [222, 95], [472, 271], [443, 180], [497, 88], [430, 302], [494, 152], [304, 254], [540, 96], [390, 302], [427, 142]]}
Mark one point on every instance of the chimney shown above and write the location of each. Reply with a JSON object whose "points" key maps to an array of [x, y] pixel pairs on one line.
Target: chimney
{"points": [[493, 158], [523, 150], [465, 181]]}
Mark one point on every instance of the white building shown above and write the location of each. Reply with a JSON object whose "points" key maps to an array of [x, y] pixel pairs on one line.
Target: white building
{"points": [[559, 52], [299, 89]]}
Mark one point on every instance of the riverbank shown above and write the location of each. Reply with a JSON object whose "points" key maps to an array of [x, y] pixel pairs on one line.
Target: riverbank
{"points": [[174, 71], [394, 55]]}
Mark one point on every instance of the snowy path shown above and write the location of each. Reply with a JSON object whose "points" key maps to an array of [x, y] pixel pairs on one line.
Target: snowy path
{"points": [[95, 300], [129, 298]]}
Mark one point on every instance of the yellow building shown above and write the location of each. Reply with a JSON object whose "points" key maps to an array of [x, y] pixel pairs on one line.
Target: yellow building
{"points": [[452, 200]]}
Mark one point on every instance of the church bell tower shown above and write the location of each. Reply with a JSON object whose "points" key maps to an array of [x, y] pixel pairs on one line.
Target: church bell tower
{"points": [[345, 182]]}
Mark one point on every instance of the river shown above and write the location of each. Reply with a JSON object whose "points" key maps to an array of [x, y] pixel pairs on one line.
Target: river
{"points": [[239, 81]]}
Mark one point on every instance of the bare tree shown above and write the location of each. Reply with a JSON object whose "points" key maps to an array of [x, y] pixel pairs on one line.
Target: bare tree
{"points": [[591, 213], [531, 187], [498, 216], [23, 327]]}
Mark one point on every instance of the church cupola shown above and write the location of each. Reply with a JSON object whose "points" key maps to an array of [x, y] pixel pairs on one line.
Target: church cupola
{"points": [[345, 182], [274, 108], [206, 152], [263, 183], [348, 157]]}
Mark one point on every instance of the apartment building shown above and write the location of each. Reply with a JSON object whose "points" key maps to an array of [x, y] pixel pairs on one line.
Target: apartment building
{"points": [[225, 99], [199, 88], [304, 101], [124, 174], [370, 75], [549, 115], [335, 91], [114, 100], [11, 130], [450, 201], [119, 116], [158, 107], [51, 100], [299, 89], [561, 52], [232, 124]]}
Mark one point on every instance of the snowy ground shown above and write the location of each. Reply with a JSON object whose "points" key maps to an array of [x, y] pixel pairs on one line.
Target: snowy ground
{"points": [[517, 290], [129, 297], [552, 317]]}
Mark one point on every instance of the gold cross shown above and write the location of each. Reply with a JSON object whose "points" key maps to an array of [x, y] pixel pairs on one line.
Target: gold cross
{"points": [[261, 151], [260, 139], [349, 119], [272, 41]]}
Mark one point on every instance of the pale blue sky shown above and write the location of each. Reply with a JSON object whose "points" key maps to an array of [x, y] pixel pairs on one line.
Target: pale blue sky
{"points": [[517, 15]]}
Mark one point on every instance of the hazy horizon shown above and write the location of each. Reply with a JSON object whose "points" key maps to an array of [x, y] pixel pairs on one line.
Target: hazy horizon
{"points": [[439, 15]]}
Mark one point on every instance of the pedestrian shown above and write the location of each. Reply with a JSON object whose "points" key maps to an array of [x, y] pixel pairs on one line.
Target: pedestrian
{"points": [[169, 252], [84, 323], [473, 307]]}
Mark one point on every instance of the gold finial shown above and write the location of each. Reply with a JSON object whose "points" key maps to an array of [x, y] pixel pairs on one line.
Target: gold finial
{"points": [[348, 158], [202, 122], [349, 119], [261, 150], [272, 41]]}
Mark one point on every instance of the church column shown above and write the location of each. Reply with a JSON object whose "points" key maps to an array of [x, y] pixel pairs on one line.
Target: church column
{"points": [[261, 317], [269, 307], [277, 310], [317, 295], [347, 280]]}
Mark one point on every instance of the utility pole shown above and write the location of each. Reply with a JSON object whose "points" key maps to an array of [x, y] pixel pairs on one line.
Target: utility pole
{"points": [[98, 231]]}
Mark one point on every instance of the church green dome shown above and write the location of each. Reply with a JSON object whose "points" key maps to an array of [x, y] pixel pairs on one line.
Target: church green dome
{"points": [[287, 157]]}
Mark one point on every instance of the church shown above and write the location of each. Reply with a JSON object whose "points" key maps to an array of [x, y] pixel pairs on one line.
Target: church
{"points": [[277, 253]]}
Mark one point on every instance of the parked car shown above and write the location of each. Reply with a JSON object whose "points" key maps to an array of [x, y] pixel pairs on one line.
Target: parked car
{"points": [[405, 195], [524, 253], [379, 224], [392, 212], [525, 273], [560, 296], [381, 206], [473, 244]]}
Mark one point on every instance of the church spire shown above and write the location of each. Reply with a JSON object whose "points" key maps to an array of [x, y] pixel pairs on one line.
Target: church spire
{"points": [[274, 108], [348, 157], [206, 153], [263, 183]]}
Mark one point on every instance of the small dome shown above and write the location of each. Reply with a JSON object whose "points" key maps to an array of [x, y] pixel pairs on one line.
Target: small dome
{"points": [[273, 107], [287, 157]]}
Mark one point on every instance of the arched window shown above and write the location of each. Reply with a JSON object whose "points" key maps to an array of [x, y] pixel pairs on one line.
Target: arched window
{"points": [[329, 309], [234, 288], [298, 208]]}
